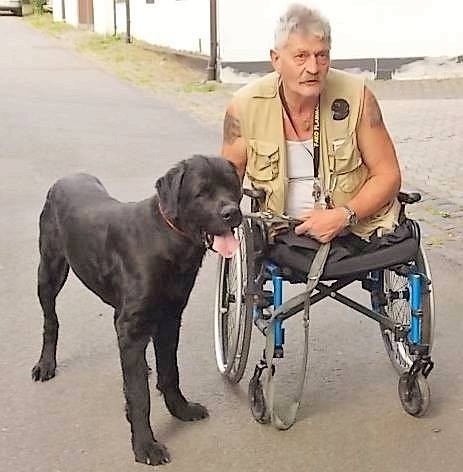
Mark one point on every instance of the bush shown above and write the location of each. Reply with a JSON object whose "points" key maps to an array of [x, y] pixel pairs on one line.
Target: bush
{"points": [[37, 6]]}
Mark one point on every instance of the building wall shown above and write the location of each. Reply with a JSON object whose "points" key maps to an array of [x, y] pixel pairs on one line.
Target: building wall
{"points": [[71, 8], [121, 24], [57, 10], [360, 28], [103, 16], [179, 24]]}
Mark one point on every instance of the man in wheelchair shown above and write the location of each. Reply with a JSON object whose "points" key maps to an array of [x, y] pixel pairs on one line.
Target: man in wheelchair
{"points": [[313, 144], [314, 139]]}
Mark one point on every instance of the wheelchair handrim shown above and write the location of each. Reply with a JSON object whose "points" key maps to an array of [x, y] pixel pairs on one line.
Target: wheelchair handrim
{"points": [[225, 361]]}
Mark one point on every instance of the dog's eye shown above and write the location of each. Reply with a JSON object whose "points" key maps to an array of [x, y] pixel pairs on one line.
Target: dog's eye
{"points": [[202, 192]]}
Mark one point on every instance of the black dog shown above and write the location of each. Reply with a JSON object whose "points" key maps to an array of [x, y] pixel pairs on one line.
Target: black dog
{"points": [[142, 259]]}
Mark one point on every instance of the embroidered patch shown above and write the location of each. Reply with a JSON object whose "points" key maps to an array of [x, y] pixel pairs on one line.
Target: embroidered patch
{"points": [[340, 109]]}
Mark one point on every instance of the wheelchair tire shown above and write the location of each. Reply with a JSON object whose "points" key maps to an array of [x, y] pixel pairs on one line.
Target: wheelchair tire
{"points": [[395, 288], [233, 312], [415, 398]]}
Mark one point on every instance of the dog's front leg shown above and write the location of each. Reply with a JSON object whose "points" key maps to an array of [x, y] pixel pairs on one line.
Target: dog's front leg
{"points": [[165, 345], [132, 348]]}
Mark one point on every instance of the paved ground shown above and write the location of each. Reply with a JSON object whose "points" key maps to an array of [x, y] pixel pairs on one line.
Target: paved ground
{"points": [[59, 114]]}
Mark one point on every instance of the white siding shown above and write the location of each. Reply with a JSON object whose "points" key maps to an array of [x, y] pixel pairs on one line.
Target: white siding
{"points": [[179, 24], [103, 16], [360, 28], [57, 13], [71, 11]]}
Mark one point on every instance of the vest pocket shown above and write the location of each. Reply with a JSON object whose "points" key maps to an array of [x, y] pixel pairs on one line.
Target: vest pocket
{"points": [[346, 167], [263, 160]]}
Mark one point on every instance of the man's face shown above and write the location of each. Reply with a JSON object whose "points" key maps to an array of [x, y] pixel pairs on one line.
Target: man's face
{"points": [[303, 63]]}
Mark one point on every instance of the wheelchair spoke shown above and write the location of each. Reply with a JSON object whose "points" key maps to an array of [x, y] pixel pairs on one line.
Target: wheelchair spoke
{"points": [[397, 307]]}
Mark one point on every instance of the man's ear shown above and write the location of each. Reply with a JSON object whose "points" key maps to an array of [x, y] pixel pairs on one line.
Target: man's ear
{"points": [[275, 58], [168, 188]]}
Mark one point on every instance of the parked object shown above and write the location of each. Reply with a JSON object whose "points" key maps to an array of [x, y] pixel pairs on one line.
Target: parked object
{"points": [[17, 7]]}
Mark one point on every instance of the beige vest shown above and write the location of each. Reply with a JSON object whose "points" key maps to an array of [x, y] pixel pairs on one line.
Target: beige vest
{"points": [[342, 169]]}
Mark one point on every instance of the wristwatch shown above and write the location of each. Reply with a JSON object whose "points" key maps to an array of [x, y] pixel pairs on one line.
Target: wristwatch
{"points": [[351, 216]]}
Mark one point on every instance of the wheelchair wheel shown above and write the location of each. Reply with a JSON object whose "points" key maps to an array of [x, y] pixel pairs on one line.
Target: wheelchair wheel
{"points": [[233, 314], [397, 307], [414, 394]]}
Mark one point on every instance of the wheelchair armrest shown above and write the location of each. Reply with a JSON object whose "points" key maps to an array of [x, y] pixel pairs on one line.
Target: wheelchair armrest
{"points": [[257, 193], [257, 196], [407, 197]]}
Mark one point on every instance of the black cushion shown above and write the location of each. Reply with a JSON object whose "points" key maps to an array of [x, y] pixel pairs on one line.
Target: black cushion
{"points": [[349, 255], [399, 253]]}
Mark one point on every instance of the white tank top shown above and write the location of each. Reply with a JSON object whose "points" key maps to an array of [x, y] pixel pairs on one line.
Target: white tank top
{"points": [[300, 177]]}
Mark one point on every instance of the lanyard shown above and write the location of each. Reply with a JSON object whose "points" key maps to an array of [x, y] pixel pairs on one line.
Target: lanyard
{"points": [[317, 191]]}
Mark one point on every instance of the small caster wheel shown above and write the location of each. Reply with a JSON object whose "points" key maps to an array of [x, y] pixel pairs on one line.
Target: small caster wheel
{"points": [[414, 394], [257, 401]]}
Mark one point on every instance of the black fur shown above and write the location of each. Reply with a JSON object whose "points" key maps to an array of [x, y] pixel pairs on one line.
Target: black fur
{"points": [[133, 260]]}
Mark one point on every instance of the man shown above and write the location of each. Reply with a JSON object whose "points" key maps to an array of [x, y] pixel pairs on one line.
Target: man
{"points": [[313, 138]]}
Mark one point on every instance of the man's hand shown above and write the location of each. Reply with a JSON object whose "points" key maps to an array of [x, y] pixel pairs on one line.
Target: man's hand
{"points": [[323, 225]]}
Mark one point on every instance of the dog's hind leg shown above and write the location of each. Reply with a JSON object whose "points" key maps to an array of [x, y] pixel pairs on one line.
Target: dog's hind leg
{"points": [[52, 274]]}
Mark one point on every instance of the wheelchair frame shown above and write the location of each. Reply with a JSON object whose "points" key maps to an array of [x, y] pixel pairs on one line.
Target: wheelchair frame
{"points": [[408, 342]]}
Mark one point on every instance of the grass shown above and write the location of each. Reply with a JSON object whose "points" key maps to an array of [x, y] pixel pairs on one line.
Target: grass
{"points": [[45, 23], [438, 212], [203, 87]]}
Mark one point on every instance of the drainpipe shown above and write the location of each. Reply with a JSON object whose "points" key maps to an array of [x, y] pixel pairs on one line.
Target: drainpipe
{"points": [[212, 64], [115, 17], [63, 10], [128, 38]]}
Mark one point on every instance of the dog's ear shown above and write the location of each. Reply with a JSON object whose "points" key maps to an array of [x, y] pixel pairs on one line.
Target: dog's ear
{"points": [[168, 188]]}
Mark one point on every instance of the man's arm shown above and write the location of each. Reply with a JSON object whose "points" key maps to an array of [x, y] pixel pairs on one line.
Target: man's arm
{"points": [[383, 182], [379, 156], [234, 145]]}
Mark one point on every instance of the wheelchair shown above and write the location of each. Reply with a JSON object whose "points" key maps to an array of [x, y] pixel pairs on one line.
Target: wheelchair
{"points": [[397, 278]]}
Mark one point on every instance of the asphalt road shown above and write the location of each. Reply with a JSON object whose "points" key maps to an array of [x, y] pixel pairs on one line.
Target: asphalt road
{"points": [[59, 113]]}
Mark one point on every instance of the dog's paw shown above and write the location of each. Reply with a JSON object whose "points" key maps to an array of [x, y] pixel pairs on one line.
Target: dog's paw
{"points": [[151, 453], [43, 371], [191, 412]]}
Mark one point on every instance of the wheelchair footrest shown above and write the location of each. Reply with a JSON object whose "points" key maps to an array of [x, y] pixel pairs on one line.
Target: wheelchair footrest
{"points": [[278, 352], [420, 349]]}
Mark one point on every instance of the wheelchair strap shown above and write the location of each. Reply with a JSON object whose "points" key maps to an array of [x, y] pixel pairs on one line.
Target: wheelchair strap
{"points": [[286, 421]]}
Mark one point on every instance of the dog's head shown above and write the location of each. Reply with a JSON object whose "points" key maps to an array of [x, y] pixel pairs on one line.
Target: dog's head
{"points": [[201, 196]]}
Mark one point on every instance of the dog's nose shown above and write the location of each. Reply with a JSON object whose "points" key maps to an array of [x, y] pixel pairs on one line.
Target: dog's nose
{"points": [[231, 214]]}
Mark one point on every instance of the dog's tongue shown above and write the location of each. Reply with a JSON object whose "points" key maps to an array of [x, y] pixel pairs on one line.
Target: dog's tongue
{"points": [[225, 245]]}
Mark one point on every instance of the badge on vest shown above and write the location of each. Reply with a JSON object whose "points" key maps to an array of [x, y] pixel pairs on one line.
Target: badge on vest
{"points": [[340, 109]]}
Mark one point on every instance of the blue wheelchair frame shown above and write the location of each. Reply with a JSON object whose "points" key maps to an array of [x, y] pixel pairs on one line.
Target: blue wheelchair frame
{"points": [[416, 282]]}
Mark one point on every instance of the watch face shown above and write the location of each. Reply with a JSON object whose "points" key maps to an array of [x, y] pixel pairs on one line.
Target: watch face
{"points": [[351, 216]]}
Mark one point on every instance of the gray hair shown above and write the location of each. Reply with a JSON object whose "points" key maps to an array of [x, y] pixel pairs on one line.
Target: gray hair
{"points": [[300, 19]]}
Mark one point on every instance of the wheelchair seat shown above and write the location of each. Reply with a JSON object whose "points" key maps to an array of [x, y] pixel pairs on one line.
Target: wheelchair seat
{"points": [[294, 265], [396, 254]]}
